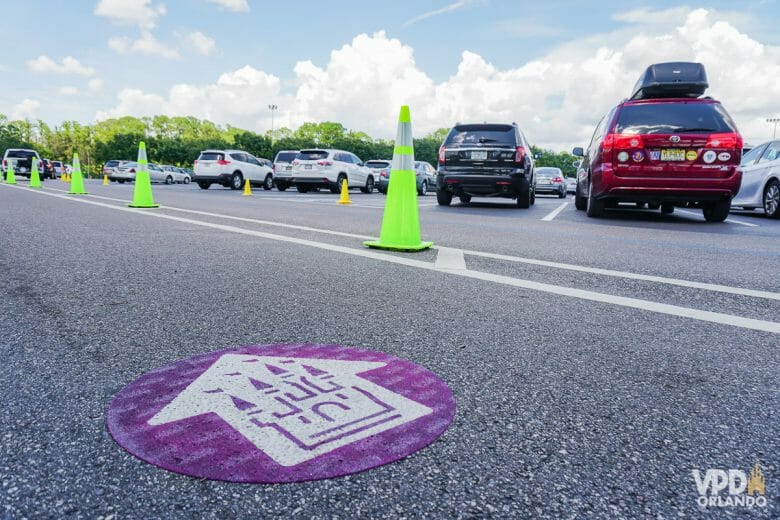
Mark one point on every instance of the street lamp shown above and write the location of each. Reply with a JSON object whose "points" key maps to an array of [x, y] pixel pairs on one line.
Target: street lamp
{"points": [[774, 121], [272, 108]]}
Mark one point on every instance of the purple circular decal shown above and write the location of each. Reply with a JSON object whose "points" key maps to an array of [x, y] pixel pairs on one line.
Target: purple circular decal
{"points": [[281, 413]]}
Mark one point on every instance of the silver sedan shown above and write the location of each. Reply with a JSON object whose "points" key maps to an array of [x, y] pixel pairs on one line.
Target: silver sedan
{"points": [[760, 180]]}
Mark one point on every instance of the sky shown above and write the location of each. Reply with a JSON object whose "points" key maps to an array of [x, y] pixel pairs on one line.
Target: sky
{"points": [[553, 67]]}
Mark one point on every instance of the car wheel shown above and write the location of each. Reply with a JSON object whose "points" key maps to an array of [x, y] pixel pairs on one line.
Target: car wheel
{"points": [[562, 194], [121, 181], [595, 207], [186, 180], [281, 187], [423, 191], [772, 199], [667, 209], [382, 191], [716, 211], [524, 197], [653, 206], [204, 185], [369, 187], [339, 180], [169, 180], [268, 183], [465, 199], [302, 189], [236, 181], [580, 202], [444, 198]]}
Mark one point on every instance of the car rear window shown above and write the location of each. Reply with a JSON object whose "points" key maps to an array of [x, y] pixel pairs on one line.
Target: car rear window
{"points": [[111, 163], [484, 134], [312, 155], [20, 154], [211, 156], [377, 164], [286, 156], [548, 171], [673, 118]]}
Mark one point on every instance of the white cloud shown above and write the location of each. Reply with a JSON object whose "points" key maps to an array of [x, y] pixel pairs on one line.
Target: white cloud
{"points": [[69, 65], [455, 6], [557, 99], [146, 44], [95, 85], [232, 5], [200, 42], [131, 12], [68, 90], [26, 109]]}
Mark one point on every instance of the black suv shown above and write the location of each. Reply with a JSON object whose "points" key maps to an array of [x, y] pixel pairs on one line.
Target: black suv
{"points": [[486, 160]]}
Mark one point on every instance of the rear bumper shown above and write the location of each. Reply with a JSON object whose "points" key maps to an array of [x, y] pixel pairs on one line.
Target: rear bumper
{"points": [[317, 180], [121, 177], [482, 185], [221, 178], [665, 189], [550, 188]]}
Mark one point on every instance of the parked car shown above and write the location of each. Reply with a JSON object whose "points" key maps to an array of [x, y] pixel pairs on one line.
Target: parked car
{"points": [[425, 175], [174, 174], [550, 180], [571, 184], [59, 168], [120, 171], [47, 172], [327, 168], [21, 159], [486, 160], [665, 146], [184, 176], [230, 168], [761, 180], [282, 167]]}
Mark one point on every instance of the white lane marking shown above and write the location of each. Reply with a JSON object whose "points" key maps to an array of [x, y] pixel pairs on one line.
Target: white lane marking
{"points": [[729, 220], [554, 213], [556, 265], [661, 308], [449, 259], [632, 276]]}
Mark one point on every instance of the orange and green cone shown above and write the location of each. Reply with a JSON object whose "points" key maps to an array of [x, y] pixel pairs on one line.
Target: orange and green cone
{"points": [[76, 179], [35, 176], [401, 222], [142, 194]]}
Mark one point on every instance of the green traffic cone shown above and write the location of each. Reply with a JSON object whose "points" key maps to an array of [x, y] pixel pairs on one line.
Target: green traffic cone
{"points": [[35, 177], [400, 222], [10, 178], [76, 178], [142, 194]]}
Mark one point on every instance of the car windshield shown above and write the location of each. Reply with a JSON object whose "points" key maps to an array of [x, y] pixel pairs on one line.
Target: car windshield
{"points": [[312, 155], [286, 156], [481, 134], [674, 118]]}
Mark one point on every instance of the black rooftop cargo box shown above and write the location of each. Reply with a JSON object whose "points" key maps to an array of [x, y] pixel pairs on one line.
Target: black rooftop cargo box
{"points": [[677, 79]]}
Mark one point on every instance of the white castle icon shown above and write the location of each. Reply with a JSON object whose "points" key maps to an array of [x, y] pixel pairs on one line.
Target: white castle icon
{"points": [[293, 409]]}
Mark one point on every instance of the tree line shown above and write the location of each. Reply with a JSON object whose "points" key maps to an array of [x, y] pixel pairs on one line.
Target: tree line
{"points": [[179, 140]]}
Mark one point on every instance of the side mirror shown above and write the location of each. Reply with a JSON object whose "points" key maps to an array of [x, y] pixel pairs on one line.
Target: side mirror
{"points": [[578, 152]]}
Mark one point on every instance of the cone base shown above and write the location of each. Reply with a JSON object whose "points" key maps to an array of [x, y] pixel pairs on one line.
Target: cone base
{"points": [[378, 244], [145, 206], [35, 187], [79, 193], [344, 203]]}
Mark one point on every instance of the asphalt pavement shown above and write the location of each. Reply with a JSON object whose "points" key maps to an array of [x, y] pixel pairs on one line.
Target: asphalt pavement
{"points": [[595, 362]]}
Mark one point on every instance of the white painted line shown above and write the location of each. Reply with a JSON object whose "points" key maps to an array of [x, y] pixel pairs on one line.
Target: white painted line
{"points": [[729, 220], [554, 213], [449, 259], [661, 308]]}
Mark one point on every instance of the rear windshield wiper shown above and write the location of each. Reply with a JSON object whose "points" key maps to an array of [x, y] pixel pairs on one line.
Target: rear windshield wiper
{"points": [[693, 129], [486, 140]]}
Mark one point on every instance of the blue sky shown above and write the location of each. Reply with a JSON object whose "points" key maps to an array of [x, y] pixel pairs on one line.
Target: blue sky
{"points": [[273, 37]]}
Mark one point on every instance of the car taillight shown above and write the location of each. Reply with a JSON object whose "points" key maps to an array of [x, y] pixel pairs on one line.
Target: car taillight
{"points": [[622, 142], [222, 162], [442, 155], [728, 140], [195, 163], [273, 167], [557, 179], [5, 163], [40, 165], [132, 170], [296, 162], [325, 163], [520, 152]]}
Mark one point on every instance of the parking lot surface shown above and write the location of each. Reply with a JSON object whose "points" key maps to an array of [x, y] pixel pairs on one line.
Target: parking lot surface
{"points": [[595, 362]]}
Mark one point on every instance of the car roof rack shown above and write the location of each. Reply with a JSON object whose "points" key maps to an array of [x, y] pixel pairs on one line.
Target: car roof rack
{"points": [[674, 79]]}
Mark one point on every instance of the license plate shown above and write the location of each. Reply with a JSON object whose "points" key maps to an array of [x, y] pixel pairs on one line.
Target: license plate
{"points": [[673, 154], [22, 169], [288, 168], [479, 155], [307, 166]]}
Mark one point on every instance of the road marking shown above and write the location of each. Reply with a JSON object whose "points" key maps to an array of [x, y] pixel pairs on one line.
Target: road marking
{"points": [[449, 259], [635, 303], [555, 265], [554, 213], [729, 220]]}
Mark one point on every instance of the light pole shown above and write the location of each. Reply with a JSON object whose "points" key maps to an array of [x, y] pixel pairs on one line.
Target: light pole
{"points": [[272, 108], [774, 121]]}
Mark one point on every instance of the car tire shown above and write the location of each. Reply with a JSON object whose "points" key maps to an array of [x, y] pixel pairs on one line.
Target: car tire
{"points": [[121, 181], [716, 211], [562, 194], [382, 191], [339, 180], [204, 185], [369, 187], [236, 181], [653, 206], [667, 209], [595, 207], [580, 202], [186, 180], [423, 191], [465, 198], [281, 187], [302, 189], [772, 199], [169, 180], [444, 198], [268, 183]]}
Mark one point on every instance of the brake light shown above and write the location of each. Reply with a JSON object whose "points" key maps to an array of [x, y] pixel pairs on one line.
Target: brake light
{"points": [[132, 170], [222, 162], [5, 163], [195, 163], [273, 167], [442, 155], [728, 140], [622, 142], [520, 152], [325, 163], [296, 162], [557, 179]]}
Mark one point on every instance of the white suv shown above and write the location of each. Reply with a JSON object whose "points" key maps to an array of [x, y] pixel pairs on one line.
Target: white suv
{"points": [[325, 168], [283, 168], [230, 168]]}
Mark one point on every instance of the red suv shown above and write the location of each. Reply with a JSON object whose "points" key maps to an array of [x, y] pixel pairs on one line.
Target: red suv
{"points": [[665, 146]]}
